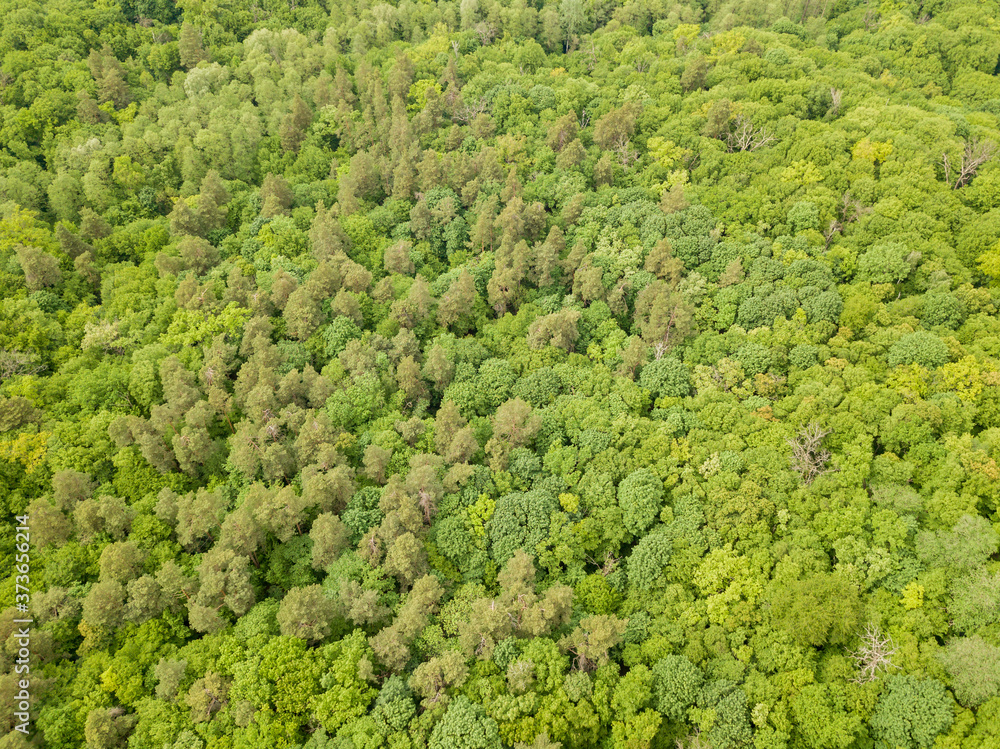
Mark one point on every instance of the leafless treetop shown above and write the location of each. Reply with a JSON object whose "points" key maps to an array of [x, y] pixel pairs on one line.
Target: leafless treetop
{"points": [[974, 155], [745, 136], [809, 457], [873, 655]]}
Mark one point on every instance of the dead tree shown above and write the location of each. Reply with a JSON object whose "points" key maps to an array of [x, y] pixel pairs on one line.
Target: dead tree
{"points": [[427, 504], [486, 33], [874, 654], [835, 96], [974, 155], [745, 136], [809, 457], [627, 155], [470, 110], [851, 209], [14, 363], [693, 741]]}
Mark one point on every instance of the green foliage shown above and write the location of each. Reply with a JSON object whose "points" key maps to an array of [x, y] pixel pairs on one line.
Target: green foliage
{"points": [[676, 684], [911, 712], [822, 716], [731, 719], [818, 609], [942, 309], [974, 668], [423, 374], [666, 377], [975, 600], [520, 521], [465, 726], [884, 263], [921, 347], [640, 497]]}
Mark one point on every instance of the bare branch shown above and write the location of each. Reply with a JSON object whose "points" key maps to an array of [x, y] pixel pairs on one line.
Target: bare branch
{"points": [[486, 33], [809, 458], [871, 17], [428, 505], [746, 137], [610, 564], [469, 111], [835, 96], [851, 209], [591, 58], [693, 741], [874, 654], [626, 154], [974, 155], [14, 363], [832, 230]]}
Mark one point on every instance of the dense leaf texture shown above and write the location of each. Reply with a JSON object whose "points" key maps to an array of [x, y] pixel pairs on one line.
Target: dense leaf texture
{"points": [[565, 373]]}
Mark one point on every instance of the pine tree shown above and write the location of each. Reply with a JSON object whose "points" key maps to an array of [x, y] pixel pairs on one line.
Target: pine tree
{"points": [[40, 268], [87, 110], [275, 196], [512, 188], [483, 235], [326, 236], [572, 155], [429, 174], [458, 301], [545, 260], [330, 538], [401, 76], [439, 368], [562, 132], [113, 86], [409, 380], [184, 220], [212, 201], [295, 124], [661, 262], [93, 226], [190, 47], [70, 243], [396, 258], [404, 176]]}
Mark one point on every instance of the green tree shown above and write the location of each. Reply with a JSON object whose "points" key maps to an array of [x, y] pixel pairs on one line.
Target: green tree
{"points": [[295, 124], [329, 538], [822, 716], [819, 609], [306, 613], [666, 377], [465, 726], [107, 728], [190, 46], [40, 269], [974, 668], [911, 712], [676, 682], [921, 347], [591, 642], [640, 496]]}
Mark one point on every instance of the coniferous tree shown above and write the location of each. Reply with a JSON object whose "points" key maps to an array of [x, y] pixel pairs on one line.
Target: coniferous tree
{"points": [[190, 46]]}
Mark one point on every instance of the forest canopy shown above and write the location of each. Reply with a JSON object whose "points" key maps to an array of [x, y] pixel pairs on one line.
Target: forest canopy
{"points": [[617, 374]]}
